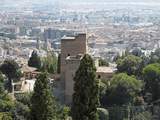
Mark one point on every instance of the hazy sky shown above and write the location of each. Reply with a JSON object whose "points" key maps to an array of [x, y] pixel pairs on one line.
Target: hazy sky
{"points": [[82, 0], [106, 0], [115, 0], [49, 2], [80, 4]]}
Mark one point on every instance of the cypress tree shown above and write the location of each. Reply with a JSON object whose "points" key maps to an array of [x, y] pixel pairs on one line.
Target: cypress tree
{"points": [[59, 64], [86, 91], [34, 60], [42, 102]]}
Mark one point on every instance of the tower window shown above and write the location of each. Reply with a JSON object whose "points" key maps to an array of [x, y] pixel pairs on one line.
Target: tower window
{"points": [[99, 76]]}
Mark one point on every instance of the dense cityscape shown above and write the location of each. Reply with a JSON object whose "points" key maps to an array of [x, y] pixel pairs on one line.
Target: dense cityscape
{"points": [[79, 60]]}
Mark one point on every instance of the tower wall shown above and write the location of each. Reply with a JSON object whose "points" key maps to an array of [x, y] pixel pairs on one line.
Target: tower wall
{"points": [[71, 46], [71, 68]]}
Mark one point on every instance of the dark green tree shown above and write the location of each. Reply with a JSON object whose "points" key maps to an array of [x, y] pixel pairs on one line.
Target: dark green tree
{"points": [[22, 106], [137, 52], [122, 90], [42, 101], [86, 91], [59, 64], [34, 60], [49, 63], [6, 103], [6, 116], [130, 64], [1, 83], [21, 111], [151, 74], [11, 69], [155, 56], [62, 112], [103, 62]]}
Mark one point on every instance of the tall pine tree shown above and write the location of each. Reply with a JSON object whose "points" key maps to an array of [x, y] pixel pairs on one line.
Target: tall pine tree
{"points": [[86, 91], [43, 106]]}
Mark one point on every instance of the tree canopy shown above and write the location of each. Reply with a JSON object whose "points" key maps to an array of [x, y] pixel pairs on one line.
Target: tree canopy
{"points": [[130, 64], [122, 90], [42, 100], [49, 63], [103, 62], [155, 56], [6, 103], [34, 60], [12, 71], [151, 75], [137, 52]]}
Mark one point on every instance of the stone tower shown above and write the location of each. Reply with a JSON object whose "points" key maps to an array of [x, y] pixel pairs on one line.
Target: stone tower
{"points": [[72, 50]]}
